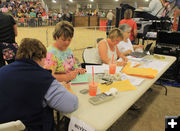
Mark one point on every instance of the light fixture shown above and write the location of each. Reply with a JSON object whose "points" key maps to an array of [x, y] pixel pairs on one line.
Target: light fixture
{"points": [[116, 0], [92, 0], [146, 0], [71, 1], [53, 1]]}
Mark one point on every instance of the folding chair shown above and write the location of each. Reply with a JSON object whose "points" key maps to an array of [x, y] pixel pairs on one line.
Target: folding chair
{"points": [[90, 57], [99, 39], [12, 126]]}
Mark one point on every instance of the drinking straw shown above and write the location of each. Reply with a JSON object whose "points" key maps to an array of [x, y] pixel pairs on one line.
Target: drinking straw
{"points": [[93, 73], [112, 58]]}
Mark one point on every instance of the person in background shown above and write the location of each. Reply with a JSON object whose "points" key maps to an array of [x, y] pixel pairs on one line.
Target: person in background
{"points": [[4, 9], [60, 58], [8, 32], [107, 48], [126, 46], [177, 3], [109, 16], [32, 14], [128, 20], [154, 7], [167, 8], [32, 100]]}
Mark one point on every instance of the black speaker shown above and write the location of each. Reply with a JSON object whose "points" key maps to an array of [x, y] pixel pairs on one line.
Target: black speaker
{"points": [[118, 16]]}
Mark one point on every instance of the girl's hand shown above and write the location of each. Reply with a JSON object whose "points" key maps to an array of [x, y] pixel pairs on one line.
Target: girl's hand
{"points": [[125, 59], [81, 70], [72, 75]]}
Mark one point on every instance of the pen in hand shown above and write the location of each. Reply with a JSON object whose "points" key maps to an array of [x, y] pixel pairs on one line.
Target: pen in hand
{"points": [[67, 82]]}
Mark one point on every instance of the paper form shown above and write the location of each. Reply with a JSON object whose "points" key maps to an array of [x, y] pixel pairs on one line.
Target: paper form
{"points": [[134, 80], [100, 68], [134, 58], [155, 64]]}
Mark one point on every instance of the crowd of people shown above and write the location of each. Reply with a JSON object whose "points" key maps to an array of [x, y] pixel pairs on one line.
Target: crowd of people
{"points": [[32, 13]]}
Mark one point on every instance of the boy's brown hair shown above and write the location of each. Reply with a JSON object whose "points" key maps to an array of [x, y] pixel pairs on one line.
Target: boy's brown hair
{"points": [[63, 28]]}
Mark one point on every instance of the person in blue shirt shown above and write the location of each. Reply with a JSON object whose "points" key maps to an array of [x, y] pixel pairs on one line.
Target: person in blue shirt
{"points": [[29, 93], [177, 3]]}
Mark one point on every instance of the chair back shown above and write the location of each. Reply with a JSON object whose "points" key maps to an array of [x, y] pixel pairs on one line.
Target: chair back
{"points": [[90, 55], [12, 126], [99, 39]]}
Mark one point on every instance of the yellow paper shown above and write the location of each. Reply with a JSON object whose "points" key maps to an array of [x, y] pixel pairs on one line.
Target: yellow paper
{"points": [[124, 85], [141, 72]]}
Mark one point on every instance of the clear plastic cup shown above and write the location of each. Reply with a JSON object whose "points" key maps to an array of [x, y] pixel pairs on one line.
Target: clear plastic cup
{"points": [[93, 85], [112, 68], [92, 88]]}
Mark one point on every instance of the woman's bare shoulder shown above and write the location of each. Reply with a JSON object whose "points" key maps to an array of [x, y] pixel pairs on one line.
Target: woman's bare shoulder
{"points": [[102, 43]]}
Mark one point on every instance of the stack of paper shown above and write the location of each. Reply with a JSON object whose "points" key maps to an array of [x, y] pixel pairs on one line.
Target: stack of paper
{"points": [[140, 72]]}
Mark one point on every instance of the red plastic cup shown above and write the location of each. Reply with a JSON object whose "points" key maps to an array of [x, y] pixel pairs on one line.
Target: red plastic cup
{"points": [[92, 89], [112, 68]]}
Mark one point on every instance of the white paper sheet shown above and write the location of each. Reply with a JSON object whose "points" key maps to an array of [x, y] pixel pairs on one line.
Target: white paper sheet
{"points": [[134, 58], [155, 64], [101, 68], [79, 125], [134, 80]]}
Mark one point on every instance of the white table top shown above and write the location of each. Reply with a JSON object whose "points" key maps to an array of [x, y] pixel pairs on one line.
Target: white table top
{"points": [[102, 116]]}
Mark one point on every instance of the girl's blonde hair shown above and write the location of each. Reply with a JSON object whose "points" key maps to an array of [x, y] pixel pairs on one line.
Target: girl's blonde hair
{"points": [[115, 33]]}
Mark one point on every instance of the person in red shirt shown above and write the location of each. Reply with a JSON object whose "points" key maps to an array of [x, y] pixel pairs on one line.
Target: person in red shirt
{"points": [[128, 20]]}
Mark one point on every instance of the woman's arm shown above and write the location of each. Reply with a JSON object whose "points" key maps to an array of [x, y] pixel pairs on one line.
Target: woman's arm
{"points": [[102, 49], [127, 52], [137, 46], [58, 98], [66, 77], [151, 6], [135, 30], [121, 55]]}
